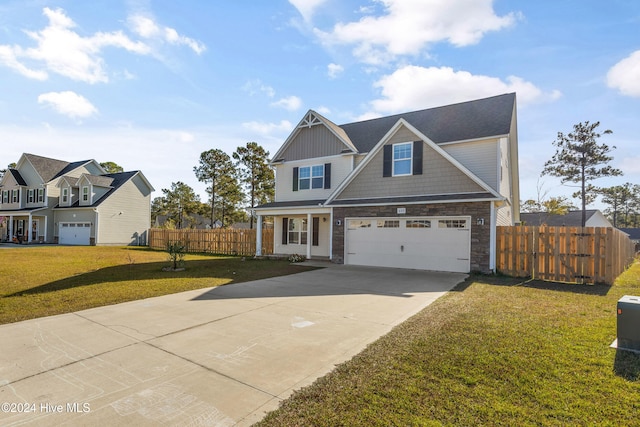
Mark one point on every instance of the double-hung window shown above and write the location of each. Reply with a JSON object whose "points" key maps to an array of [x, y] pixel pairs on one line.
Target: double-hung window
{"points": [[15, 196], [85, 194], [40, 195], [5, 196], [297, 231], [31, 196], [402, 158], [311, 177], [65, 195]]}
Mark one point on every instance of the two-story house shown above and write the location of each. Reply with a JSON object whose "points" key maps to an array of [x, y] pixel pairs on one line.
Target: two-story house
{"points": [[46, 200], [423, 190]]}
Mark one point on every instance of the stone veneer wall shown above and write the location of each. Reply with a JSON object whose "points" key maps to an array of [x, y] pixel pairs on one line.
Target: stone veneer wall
{"points": [[480, 234]]}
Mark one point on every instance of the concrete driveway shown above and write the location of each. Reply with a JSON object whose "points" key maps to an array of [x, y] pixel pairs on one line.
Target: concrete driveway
{"points": [[217, 356]]}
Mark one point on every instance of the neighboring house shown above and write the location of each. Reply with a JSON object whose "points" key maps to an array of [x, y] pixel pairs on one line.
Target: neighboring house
{"points": [[595, 218], [424, 189], [634, 235], [53, 201]]}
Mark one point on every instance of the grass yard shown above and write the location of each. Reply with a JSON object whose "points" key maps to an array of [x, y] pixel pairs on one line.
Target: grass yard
{"points": [[45, 280], [495, 352]]}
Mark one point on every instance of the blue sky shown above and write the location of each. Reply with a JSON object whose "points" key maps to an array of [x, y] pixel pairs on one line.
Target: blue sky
{"points": [[151, 85]]}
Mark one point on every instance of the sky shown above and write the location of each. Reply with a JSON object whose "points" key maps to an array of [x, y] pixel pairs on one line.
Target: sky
{"points": [[150, 85]]}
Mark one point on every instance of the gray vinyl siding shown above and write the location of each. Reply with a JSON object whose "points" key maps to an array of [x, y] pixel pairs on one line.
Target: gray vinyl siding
{"points": [[10, 184], [29, 174], [316, 141], [480, 157], [439, 177], [125, 217]]}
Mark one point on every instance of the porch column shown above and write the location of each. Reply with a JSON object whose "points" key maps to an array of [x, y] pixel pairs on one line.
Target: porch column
{"points": [[11, 228], [30, 230], [45, 229], [259, 236], [309, 235]]}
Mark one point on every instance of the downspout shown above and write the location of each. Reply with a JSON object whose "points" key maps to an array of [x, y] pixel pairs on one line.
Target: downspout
{"points": [[96, 228], [492, 238]]}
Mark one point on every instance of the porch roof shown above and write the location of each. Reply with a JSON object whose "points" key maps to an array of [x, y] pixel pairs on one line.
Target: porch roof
{"points": [[23, 211], [292, 204]]}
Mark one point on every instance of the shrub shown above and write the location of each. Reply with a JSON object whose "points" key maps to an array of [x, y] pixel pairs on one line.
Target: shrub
{"points": [[297, 258], [176, 251]]}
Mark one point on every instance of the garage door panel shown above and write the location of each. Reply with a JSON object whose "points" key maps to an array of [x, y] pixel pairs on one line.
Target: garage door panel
{"points": [[74, 233], [428, 243]]}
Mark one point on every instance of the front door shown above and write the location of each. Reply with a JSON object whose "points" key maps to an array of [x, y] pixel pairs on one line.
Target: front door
{"points": [[35, 229]]}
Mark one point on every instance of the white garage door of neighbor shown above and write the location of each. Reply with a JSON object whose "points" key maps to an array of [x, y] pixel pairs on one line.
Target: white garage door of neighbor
{"points": [[74, 233], [424, 243]]}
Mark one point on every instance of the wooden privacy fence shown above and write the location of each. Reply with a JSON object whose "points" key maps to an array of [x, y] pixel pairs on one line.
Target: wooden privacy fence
{"points": [[563, 254], [220, 241]]}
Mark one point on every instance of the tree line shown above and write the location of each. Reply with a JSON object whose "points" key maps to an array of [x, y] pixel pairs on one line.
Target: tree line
{"points": [[235, 185]]}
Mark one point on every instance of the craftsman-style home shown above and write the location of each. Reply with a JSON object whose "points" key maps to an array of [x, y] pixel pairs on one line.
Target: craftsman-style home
{"points": [[46, 200], [422, 190]]}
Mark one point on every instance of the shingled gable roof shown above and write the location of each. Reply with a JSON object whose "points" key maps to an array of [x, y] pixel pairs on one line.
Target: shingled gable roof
{"points": [[98, 180], [16, 175], [118, 179], [49, 169], [457, 122]]}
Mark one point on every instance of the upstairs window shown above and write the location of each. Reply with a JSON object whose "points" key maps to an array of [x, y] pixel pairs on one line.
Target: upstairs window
{"points": [[312, 177], [15, 196], [402, 159], [65, 195], [5, 196], [31, 197], [40, 195], [85, 194]]}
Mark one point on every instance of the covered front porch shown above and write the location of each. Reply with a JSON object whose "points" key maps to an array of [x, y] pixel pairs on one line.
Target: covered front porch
{"points": [[24, 226], [298, 230]]}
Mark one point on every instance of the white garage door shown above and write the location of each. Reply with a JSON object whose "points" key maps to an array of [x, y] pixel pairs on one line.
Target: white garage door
{"points": [[74, 233], [425, 243]]}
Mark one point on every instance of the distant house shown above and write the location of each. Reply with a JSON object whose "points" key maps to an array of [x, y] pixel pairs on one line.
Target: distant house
{"points": [[422, 190], [595, 218], [634, 235], [45, 200]]}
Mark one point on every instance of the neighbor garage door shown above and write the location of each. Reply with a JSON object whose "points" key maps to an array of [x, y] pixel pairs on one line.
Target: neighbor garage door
{"points": [[74, 233], [425, 243]]}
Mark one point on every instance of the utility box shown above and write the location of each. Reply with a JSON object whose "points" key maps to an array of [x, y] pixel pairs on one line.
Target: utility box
{"points": [[629, 323]]}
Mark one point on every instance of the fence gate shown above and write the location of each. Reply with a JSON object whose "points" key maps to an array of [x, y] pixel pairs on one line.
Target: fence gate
{"points": [[563, 254]]}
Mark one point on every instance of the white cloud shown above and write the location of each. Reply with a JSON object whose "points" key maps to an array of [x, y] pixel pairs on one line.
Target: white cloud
{"points": [[147, 28], [290, 103], [68, 103], [413, 88], [323, 110], [252, 87], [307, 7], [9, 59], [334, 70], [268, 128], [409, 26], [625, 75]]}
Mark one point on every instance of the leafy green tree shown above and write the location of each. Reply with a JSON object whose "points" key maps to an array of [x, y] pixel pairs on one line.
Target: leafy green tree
{"points": [[616, 198], [179, 204], [580, 159], [111, 167], [255, 174], [218, 171]]}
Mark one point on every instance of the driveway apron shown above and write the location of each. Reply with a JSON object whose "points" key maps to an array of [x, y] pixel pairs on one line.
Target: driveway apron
{"points": [[217, 356]]}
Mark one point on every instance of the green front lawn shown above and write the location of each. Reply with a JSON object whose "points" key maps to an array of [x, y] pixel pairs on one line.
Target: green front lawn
{"points": [[45, 280], [495, 352]]}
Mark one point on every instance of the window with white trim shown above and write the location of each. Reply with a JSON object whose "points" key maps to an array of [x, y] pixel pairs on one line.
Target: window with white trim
{"points": [[311, 177], [40, 195], [402, 158], [5, 196], [15, 196], [85, 193], [297, 231], [65, 195], [31, 196]]}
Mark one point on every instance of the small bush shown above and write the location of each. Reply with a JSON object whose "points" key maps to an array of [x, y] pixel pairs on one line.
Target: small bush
{"points": [[297, 258], [176, 252]]}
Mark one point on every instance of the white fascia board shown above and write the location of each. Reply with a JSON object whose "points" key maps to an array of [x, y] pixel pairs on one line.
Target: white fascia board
{"points": [[295, 210], [439, 202]]}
